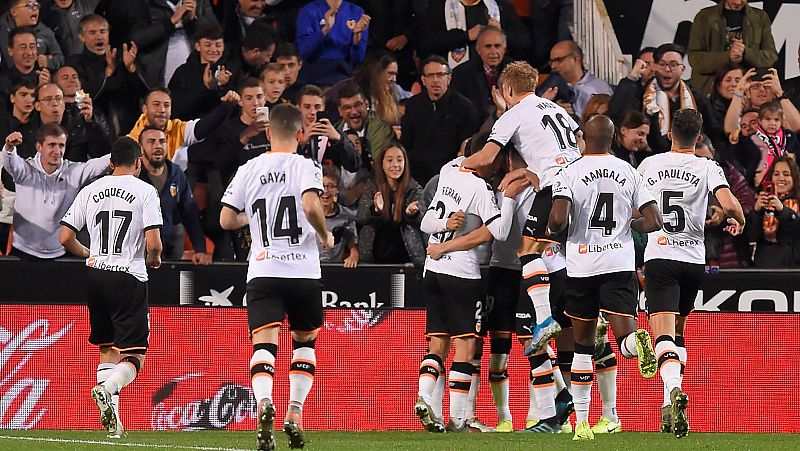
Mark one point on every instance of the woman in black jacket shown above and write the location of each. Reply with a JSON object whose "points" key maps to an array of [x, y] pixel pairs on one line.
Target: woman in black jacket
{"points": [[773, 225]]}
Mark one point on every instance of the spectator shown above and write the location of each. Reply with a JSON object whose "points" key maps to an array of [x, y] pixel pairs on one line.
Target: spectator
{"points": [[46, 186], [273, 81], [88, 132], [321, 140], [255, 51], [477, 78], [450, 29], [110, 76], [566, 58], [171, 35], [772, 139], [198, 84], [632, 87], [723, 89], [354, 110], [774, 225], [550, 21], [731, 31], [793, 84], [353, 183], [394, 26], [340, 221], [597, 104], [722, 249], [157, 111], [377, 77], [751, 93], [288, 57], [630, 142], [389, 213], [63, 17], [25, 13], [22, 51], [743, 152], [668, 93], [178, 208], [436, 121], [332, 39], [243, 16]]}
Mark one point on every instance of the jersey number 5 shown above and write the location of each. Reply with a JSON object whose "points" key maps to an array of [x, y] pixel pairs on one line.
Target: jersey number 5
{"points": [[603, 214], [285, 224], [103, 218], [680, 213]]}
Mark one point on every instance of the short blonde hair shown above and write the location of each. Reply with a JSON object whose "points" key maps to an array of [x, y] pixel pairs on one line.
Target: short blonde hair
{"points": [[520, 76]]}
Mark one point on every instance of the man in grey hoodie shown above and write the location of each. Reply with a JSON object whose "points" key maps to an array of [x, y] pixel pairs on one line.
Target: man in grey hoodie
{"points": [[46, 186]]}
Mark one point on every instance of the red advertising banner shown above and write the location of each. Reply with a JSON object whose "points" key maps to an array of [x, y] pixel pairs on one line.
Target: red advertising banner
{"points": [[196, 373]]}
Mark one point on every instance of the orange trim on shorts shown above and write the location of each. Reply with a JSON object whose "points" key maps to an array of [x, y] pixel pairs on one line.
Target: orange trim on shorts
{"points": [[603, 370], [306, 331], [471, 334], [580, 319], [302, 373], [616, 313], [535, 273], [663, 313], [128, 349], [265, 326], [524, 337], [260, 375], [305, 361], [509, 332], [538, 285], [102, 345], [539, 240], [437, 334]]}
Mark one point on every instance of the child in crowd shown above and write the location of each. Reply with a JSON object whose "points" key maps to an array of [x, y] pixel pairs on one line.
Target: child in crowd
{"points": [[273, 80], [339, 220], [772, 139]]}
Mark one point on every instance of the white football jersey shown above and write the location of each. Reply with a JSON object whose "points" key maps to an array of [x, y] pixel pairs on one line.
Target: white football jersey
{"points": [[117, 210], [603, 190], [680, 183], [542, 132], [269, 189], [463, 190]]}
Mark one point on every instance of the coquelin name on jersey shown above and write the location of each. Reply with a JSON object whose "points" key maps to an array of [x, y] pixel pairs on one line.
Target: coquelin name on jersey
{"points": [[113, 192]]}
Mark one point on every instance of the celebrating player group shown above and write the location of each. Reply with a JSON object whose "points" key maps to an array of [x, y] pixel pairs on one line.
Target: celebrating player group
{"points": [[559, 210]]}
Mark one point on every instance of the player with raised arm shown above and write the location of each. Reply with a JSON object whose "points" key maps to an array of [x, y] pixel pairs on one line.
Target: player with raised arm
{"points": [[548, 139], [675, 256], [463, 203], [123, 215], [597, 194], [277, 194]]}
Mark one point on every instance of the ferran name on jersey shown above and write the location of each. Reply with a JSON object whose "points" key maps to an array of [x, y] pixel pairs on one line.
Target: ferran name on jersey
{"points": [[273, 177], [678, 174], [603, 173], [451, 193]]}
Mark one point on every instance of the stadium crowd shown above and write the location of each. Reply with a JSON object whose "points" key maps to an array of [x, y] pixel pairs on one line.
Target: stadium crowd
{"points": [[389, 90]]}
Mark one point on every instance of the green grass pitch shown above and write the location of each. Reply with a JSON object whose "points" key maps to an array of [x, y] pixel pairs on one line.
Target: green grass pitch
{"points": [[416, 441]]}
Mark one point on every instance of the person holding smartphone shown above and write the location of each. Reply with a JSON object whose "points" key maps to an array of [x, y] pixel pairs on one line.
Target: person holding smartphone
{"points": [[321, 140], [774, 226]]}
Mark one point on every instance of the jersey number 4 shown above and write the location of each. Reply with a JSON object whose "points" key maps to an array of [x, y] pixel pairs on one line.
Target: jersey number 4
{"points": [[568, 135], [285, 224], [603, 214], [103, 218]]}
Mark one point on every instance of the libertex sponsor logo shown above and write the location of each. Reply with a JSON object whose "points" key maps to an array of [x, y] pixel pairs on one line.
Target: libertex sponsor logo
{"points": [[667, 241], [598, 248]]}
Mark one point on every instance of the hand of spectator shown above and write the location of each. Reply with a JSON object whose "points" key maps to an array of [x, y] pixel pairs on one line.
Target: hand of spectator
{"points": [[455, 221], [324, 128], [180, 11], [499, 101], [13, 140], [201, 258], [377, 202], [397, 43], [252, 130], [352, 260], [153, 260], [86, 108], [41, 60], [774, 203], [362, 24], [717, 217], [494, 23], [191, 8], [44, 76], [772, 82], [516, 187], [733, 227], [111, 61], [473, 32], [567, 106], [223, 76], [744, 83], [637, 71], [326, 241], [435, 251], [129, 56], [207, 76], [412, 208], [231, 97], [330, 19], [762, 201], [736, 52], [550, 94]]}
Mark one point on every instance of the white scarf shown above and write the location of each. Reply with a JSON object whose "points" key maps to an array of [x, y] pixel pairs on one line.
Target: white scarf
{"points": [[455, 18], [656, 101]]}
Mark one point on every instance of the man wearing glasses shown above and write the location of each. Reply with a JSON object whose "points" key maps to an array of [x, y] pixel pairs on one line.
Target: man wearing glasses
{"points": [[25, 13], [437, 120], [566, 58], [356, 116]]}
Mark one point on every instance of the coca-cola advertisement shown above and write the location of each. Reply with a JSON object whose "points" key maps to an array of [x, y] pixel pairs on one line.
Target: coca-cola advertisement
{"points": [[196, 373]]}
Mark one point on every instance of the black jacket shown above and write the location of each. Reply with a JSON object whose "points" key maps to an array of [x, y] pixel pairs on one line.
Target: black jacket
{"points": [[469, 79], [86, 140], [433, 131], [783, 254], [190, 97], [627, 96]]}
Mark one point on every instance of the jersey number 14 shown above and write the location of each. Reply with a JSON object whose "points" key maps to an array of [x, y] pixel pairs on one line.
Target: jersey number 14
{"points": [[285, 223]]}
